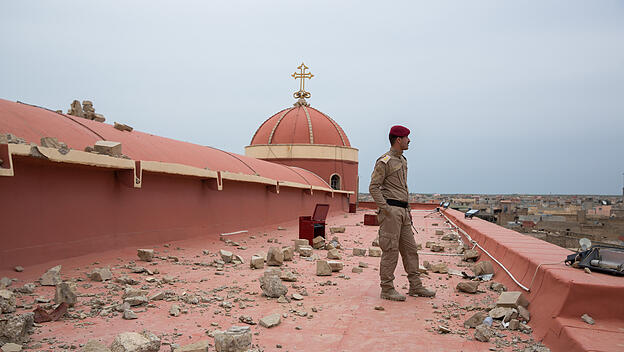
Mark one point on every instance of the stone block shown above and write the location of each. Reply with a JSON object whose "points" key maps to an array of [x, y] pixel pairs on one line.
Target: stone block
{"points": [[271, 285], [52, 277], [7, 302], [65, 293], [288, 253], [337, 229], [333, 254], [11, 347], [200, 346], [499, 312], [271, 320], [524, 314], [471, 255], [440, 268], [483, 333], [318, 242], [50, 142], [275, 257], [300, 243], [468, 286], [226, 256], [323, 268], [135, 342], [436, 247], [256, 262], [335, 265], [483, 267], [100, 274], [475, 320], [512, 299], [357, 270], [108, 148], [514, 324], [95, 346], [287, 275], [146, 255], [374, 252], [235, 339], [122, 127], [359, 252], [306, 251], [16, 328]]}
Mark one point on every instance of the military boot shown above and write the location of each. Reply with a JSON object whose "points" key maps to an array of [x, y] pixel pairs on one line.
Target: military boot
{"points": [[392, 295], [421, 291]]}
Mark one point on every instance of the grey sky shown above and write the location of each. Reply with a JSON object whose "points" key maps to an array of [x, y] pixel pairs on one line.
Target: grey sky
{"points": [[501, 96]]}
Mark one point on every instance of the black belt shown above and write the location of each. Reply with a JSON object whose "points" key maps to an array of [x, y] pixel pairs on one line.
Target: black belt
{"points": [[397, 203]]}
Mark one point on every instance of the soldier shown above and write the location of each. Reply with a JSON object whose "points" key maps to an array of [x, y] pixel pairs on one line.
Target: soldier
{"points": [[388, 187]]}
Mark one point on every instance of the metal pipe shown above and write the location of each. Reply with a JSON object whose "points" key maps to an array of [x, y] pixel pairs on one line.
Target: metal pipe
{"points": [[486, 252]]}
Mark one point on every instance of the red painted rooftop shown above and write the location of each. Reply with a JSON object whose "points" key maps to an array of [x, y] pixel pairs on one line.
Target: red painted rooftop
{"points": [[32, 123], [300, 125]]}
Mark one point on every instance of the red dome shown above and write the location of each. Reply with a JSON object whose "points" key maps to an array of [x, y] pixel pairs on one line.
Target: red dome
{"points": [[300, 125]]}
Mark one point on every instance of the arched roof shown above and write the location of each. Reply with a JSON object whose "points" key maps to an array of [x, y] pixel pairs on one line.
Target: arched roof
{"points": [[300, 125], [32, 123]]}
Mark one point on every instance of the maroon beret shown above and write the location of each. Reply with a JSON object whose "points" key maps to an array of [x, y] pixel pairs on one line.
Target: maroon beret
{"points": [[399, 131]]}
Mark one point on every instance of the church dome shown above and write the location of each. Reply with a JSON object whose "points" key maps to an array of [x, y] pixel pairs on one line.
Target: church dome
{"points": [[300, 124]]}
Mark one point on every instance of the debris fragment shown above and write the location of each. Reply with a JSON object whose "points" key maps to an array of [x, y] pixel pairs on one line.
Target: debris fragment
{"points": [[41, 316], [483, 267], [100, 274], [318, 242], [512, 299], [16, 328], [19, 269], [52, 277], [275, 257], [483, 333], [109, 148], [337, 229], [359, 252], [65, 293], [471, 255], [323, 268], [235, 339], [132, 341], [374, 252], [122, 127], [468, 286], [586, 318], [199, 346], [226, 256], [256, 262], [475, 320], [271, 285], [146, 255]]}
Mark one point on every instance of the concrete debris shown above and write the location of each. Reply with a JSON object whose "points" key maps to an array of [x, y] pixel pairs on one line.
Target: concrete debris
{"points": [[50, 142], [379, 308], [19, 269], [524, 314], [483, 333], [226, 256], [449, 237], [200, 346], [436, 247], [7, 302], [52, 277], [512, 299], [483, 267], [288, 253], [75, 109], [136, 300], [271, 285], [146, 255], [359, 252], [337, 229], [318, 242], [288, 275], [256, 262], [271, 320], [135, 342], [100, 274], [174, 310], [333, 254], [237, 259], [12, 139], [275, 257], [306, 251], [109, 148], [128, 314], [16, 328], [471, 255], [375, 242], [444, 329], [335, 265], [374, 252], [363, 264], [122, 127], [11, 347], [301, 243], [468, 286], [498, 287], [499, 312], [297, 297], [132, 292], [441, 268], [586, 318], [323, 268], [283, 299], [357, 270], [95, 346], [513, 314], [28, 288], [65, 293], [235, 339], [475, 320]]}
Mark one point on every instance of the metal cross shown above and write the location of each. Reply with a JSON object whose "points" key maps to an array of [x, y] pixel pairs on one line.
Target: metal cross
{"points": [[302, 75]]}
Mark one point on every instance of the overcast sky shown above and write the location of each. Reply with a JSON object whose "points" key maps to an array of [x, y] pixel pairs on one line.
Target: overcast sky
{"points": [[501, 96]]}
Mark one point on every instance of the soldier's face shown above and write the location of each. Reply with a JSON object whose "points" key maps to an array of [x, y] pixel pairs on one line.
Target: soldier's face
{"points": [[404, 142]]}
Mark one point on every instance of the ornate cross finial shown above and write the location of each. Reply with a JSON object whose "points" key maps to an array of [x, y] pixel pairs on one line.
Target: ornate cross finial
{"points": [[302, 75]]}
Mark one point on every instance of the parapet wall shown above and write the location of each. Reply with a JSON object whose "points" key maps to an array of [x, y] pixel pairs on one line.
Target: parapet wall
{"points": [[558, 294]]}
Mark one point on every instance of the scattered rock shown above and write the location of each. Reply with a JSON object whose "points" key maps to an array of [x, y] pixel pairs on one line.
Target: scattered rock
{"points": [[300, 243], [359, 252], [129, 315], [226, 256], [468, 286], [439, 232], [271, 320], [52, 277], [109, 148], [379, 308], [335, 265], [288, 253], [444, 329], [7, 301], [297, 297], [235, 339], [524, 314], [483, 268], [586, 318], [28, 288], [65, 293], [374, 252], [16, 328], [306, 251], [333, 254], [256, 262], [275, 257], [437, 247], [135, 342], [499, 312], [174, 310], [318, 242], [449, 237], [514, 324], [441, 268], [337, 229], [475, 320], [323, 268], [11, 347], [512, 299], [146, 255], [122, 127], [271, 285], [363, 265], [136, 300], [357, 270], [288, 275], [498, 287], [19, 269], [200, 346], [483, 333], [100, 274], [471, 255]]}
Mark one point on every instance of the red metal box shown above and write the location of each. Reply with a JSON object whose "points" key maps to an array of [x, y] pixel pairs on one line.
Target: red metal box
{"points": [[313, 226]]}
